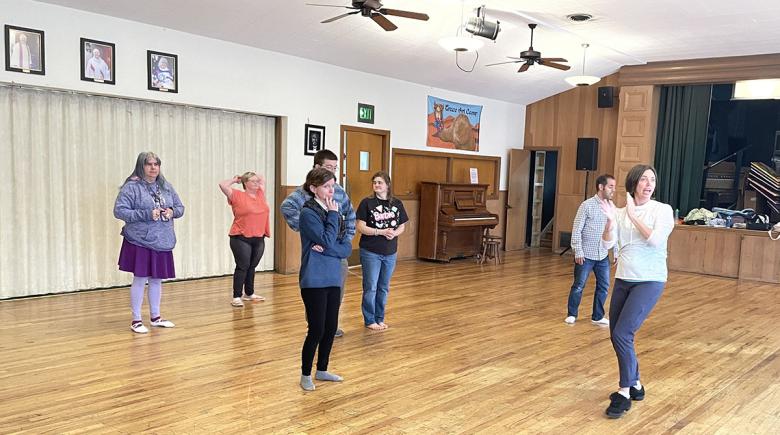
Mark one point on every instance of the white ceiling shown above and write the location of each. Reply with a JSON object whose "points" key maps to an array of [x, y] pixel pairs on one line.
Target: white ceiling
{"points": [[623, 32]]}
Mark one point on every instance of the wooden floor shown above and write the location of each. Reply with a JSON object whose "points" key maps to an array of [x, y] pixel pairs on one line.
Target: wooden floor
{"points": [[470, 349]]}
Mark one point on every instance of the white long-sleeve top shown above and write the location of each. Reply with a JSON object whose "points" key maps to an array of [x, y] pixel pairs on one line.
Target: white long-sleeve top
{"points": [[640, 259]]}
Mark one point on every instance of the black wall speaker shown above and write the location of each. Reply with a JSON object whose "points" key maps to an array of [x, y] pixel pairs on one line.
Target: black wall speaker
{"points": [[606, 96], [587, 153]]}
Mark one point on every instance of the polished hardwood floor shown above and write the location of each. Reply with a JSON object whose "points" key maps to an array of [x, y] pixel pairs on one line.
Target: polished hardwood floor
{"points": [[470, 349]]}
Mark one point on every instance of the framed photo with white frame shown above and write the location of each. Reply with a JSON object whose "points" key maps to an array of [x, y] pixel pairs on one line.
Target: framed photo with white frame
{"points": [[162, 71], [98, 61], [314, 139], [24, 50]]}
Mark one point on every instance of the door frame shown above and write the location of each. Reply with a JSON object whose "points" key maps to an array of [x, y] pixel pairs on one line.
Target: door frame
{"points": [[343, 154]]}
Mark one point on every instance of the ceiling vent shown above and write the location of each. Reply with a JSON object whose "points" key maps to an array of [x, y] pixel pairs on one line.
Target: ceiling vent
{"points": [[579, 18]]}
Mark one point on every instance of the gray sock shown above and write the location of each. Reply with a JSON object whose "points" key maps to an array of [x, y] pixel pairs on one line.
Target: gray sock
{"points": [[327, 376], [306, 383]]}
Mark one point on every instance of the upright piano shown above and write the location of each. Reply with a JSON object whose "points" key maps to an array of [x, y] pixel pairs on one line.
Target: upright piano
{"points": [[453, 218]]}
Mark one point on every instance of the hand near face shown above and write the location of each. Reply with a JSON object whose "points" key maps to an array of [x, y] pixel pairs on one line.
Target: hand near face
{"points": [[608, 207], [331, 204], [630, 205]]}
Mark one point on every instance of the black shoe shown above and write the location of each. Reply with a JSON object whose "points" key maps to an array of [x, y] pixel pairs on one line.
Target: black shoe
{"points": [[618, 405], [637, 394]]}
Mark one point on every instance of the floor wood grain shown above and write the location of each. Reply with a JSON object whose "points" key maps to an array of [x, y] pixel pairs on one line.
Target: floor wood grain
{"points": [[470, 349]]}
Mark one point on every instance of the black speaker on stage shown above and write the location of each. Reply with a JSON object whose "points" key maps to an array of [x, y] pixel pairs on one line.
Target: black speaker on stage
{"points": [[606, 96], [587, 153]]}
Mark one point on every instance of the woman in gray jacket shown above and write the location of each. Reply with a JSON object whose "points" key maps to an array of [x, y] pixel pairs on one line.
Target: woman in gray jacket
{"points": [[148, 204]]}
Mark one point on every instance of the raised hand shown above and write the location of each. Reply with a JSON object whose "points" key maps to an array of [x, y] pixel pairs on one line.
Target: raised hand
{"points": [[630, 205], [609, 209]]}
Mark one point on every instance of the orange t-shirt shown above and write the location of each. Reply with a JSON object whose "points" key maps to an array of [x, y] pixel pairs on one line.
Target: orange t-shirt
{"points": [[250, 215]]}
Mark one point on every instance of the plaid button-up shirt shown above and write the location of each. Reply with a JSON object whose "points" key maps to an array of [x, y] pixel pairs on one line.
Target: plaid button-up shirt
{"points": [[587, 230]]}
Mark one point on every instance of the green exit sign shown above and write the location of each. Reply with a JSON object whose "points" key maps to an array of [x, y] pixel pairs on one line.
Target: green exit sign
{"points": [[365, 113]]}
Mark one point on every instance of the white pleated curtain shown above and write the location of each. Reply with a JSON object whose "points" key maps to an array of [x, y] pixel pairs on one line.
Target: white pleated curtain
{"points": [[63, 157]]}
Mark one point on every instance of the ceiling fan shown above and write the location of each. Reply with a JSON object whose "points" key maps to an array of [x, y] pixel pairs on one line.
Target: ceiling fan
{"points": [[531, 56], [374, 10]]}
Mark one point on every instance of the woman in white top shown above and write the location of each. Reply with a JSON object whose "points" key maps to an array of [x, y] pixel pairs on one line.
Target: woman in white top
{"points": [[639, 233]]}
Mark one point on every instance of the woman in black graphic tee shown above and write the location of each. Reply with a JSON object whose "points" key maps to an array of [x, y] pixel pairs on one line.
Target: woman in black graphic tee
{"points": [[380, 220]]}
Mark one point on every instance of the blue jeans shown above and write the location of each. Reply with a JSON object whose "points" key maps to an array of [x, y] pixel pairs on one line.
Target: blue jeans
{"points": [[601, 269], [631, 303], [377, 270]]}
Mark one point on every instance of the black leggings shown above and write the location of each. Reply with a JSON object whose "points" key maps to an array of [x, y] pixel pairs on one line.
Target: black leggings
{"points": [[322, 313], [247, 252]]}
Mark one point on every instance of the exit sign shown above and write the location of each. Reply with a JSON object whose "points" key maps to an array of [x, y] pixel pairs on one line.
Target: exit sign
{"points": [[365, 113]]}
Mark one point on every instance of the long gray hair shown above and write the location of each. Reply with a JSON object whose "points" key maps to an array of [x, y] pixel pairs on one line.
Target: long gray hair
{"points": [[138, 172]]}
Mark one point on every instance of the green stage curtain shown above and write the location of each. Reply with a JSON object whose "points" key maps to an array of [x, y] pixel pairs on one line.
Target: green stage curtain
{"points": [[681, 145]]}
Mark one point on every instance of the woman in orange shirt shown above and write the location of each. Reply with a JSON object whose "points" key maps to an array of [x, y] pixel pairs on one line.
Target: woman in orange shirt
{"points": [[250, 226]]}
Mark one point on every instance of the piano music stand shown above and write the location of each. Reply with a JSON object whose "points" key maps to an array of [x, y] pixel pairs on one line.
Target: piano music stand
{"points": [[587, 179]]}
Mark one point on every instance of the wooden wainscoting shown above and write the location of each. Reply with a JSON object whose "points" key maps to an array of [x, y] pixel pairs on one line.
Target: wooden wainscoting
{"points": [[410, 167]]}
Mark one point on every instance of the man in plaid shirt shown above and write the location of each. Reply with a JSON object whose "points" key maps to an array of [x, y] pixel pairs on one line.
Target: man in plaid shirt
{"points": [[589, 254]]}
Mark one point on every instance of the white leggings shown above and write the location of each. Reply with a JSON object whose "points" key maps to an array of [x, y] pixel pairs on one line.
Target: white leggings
{"points": [[137, 295]]}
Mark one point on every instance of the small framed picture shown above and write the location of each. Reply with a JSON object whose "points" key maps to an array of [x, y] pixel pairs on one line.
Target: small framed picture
{"points": [[98, 61], [162, 71], [24, 50], [315, 139]]}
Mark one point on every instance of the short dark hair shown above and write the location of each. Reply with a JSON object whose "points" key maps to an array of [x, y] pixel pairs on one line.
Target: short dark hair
{"points": [[323, 155], [632, 179], [317, 177], [602, 180]]}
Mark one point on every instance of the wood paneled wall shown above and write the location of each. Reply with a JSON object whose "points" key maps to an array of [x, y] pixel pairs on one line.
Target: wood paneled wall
{"points": [[410, 167], [636, 132], [287, 249], [555, 123]]}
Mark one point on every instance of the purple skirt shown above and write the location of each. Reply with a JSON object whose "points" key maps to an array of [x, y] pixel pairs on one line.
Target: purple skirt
{"points": [[142, 261]]}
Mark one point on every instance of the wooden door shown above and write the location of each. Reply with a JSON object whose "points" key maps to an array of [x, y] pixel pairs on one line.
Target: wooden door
{"points": [[365, 151], [517, 199]]}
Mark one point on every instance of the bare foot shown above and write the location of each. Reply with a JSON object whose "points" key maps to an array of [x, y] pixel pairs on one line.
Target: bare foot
{"points": [[374, 327], [383, 325]]}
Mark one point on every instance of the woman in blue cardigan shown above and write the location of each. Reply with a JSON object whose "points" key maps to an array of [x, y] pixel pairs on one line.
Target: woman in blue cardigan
{"points": [[323, 245]]}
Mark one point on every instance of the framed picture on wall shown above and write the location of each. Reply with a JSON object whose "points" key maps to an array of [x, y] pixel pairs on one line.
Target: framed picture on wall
{"points": [[24, 50], [98, 61], [162, 71], [314, 139]]}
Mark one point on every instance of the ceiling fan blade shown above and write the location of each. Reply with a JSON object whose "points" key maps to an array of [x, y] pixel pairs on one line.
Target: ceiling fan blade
{"points": [[555, 65], [524, 67], [330, 20], [330, 6], [405, 14], [553, 59], [504, 63], [383, 22]]}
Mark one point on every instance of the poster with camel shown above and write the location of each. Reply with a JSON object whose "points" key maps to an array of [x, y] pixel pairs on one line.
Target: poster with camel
{"points": [[453, 125]]}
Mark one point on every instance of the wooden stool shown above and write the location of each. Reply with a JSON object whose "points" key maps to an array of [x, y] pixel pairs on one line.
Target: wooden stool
{"points": [[490, 248]]}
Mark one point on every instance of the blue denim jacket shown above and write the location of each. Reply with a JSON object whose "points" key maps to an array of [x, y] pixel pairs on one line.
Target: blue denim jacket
{"points": [[134, 205], [292, 205]]}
